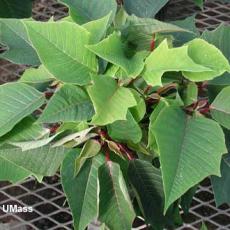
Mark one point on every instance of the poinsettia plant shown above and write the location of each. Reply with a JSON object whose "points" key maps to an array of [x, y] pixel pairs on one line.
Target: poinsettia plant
{"points": [[134, 111]]}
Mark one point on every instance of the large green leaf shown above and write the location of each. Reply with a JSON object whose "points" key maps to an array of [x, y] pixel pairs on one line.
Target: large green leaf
{"points": [[36, 76], [11, 172], [147, 183], [126, 130], [144, 8], [89, 150], [69, 103], [190, 150], [17, 100], [220, 38], [207, 55], [221, 185], [115, 207], [89, 10], [177, 60], [11, 9], [81, 191], [26, 130], [19, 49], [113, 101], [43, 161], [112, 50], [66, 41], [220, 108]]}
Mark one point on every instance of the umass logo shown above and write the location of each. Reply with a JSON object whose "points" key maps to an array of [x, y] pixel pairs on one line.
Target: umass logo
{"points": [[8, 208]]}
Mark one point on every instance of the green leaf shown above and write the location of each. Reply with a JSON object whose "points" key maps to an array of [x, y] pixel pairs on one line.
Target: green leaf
{"points": [[220, 37], [27, 129], [186, 199], [36, 76], [97, 28], [177, 60], [42, 161], [209, 56], [199, 3], [11, 172], [113, 101], [139, 110], [78, 138], [220, 108], [203, 226], [115, 207], [139, 31], [81, 191], [69, 103], [152, 144], [66, 41], [190, 150], [221, 185], [89, 150], [89, 10], [190, 93], [17, 101], [28, 145], [144, 8], [126, 130], [112, 50], [188, 23], [18, 47], [147, 183], [11, 9]]}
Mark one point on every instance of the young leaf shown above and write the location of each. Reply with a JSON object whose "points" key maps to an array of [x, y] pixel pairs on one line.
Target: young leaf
{"points": [[78, 137], [190, 93], [208, 56], [69, 103], [82, 191], [177, 60], [19, 49], [28, 145], [17, 100], [126, 130], [36, 76], [113, 101], [190, 150], [11, 9], [66, 41], [220, 108], [115, 207], [145, 8], [221, 185], [89, 10], [147, 183], [90, 149], [26, 130], [43, 161], [112, 50]]}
